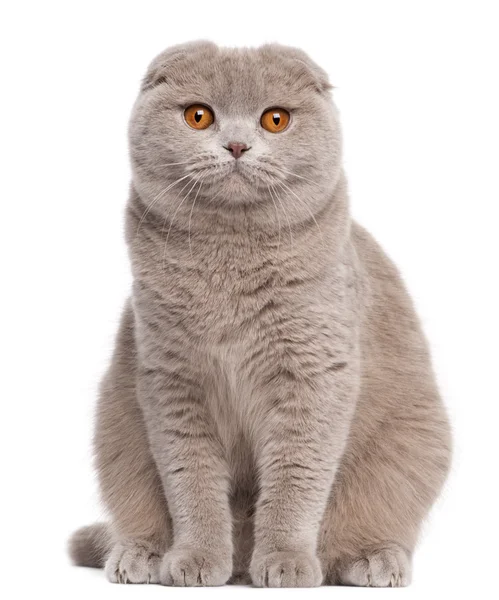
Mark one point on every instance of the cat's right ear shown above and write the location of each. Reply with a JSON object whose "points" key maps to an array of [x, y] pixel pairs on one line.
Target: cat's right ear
{"points": [[168, 63]]}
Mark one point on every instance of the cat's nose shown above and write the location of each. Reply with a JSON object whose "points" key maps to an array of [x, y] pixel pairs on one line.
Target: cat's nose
{"points": [[236, 149]]}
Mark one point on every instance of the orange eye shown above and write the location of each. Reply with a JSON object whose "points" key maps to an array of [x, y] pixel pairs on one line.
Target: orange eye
{"points": [[198, 116], [275, 120]]}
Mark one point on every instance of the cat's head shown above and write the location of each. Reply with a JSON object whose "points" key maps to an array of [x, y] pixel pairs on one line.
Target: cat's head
{"points": [[236, 127]]}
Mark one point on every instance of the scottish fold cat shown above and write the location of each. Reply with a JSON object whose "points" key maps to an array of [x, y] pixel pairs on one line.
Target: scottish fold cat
{"points": [[270, 414]]}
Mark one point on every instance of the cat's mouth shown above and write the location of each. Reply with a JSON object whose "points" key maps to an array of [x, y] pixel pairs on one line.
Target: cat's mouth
{"points": [[228, 170], [253, 172], [245, 173], [241, 178]]}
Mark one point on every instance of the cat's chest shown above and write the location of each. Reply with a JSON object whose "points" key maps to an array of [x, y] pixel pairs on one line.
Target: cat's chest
{"points": [[213, 302]]}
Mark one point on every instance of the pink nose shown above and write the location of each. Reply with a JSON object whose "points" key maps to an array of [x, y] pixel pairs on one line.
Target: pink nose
{"points": [[236, 149]]}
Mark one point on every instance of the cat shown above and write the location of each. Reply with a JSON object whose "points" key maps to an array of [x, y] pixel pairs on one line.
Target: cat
{"points": [[270, 414]]}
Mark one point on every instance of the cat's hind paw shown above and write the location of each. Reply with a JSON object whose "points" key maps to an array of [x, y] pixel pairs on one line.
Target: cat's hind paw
{"points": [[133, 562], [381, 567]]}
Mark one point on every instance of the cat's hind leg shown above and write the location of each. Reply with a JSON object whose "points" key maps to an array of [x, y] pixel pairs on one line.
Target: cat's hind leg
{"points": [[386, 484], [139, 532]]}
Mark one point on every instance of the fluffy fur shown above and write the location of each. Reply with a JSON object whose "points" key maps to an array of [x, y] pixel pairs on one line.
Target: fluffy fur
{"points": [[270, 413]]}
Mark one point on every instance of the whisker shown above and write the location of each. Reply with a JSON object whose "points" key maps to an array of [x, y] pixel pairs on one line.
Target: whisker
{"points": [[187, 162], [295, 175], [278, 222], [157, 198], [191, 178], [285, 214], [163, 262], [218, 167], [214, 197], [286, 187], [173, 218], [190, 214]]}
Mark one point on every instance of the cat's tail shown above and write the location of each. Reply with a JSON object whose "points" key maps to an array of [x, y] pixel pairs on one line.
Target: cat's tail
{"points": [[90, 546]]}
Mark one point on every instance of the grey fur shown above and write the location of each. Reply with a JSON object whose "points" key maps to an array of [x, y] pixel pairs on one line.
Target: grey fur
{"points": [[270, 413]]}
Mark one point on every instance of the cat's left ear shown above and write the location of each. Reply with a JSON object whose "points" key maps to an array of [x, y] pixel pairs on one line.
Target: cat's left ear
{"points": [[321, 78], [172, 62], [305, 69]]}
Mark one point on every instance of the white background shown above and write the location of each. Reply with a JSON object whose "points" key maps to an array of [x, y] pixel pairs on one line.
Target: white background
{"points": [[417, 88]]}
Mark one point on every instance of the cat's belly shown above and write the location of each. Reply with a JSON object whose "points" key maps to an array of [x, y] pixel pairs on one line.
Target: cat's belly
{"points": [[229, 400]]}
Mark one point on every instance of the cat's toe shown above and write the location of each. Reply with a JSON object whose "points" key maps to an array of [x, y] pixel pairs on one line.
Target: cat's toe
{"points": [[286, 569], [381, 567], [133, 562], [187, 567]]}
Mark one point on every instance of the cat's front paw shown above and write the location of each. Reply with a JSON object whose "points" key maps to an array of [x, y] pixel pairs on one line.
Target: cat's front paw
{"points": [[189, 567], [286, 569], [133, 562]]}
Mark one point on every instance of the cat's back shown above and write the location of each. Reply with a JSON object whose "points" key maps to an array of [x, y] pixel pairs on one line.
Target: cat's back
{"points": [[389, 319], [395, 357]]}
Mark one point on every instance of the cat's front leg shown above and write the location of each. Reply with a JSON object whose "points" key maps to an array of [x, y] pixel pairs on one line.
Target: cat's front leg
{"points": [[184, 444], [300, 443]]}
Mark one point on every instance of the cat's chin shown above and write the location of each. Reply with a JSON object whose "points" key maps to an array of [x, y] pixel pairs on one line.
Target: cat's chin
{"points": [[237, 188]]}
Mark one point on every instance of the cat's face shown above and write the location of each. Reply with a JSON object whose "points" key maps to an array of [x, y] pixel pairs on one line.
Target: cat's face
{"points": [[236, 127]]}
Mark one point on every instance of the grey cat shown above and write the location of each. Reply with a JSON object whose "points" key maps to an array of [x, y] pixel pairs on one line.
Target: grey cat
{"points": [[270, 413]]}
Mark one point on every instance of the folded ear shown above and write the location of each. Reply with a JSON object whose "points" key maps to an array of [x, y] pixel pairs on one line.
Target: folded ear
{"points": [[168, 62], [320, 76], [303, 65]]}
